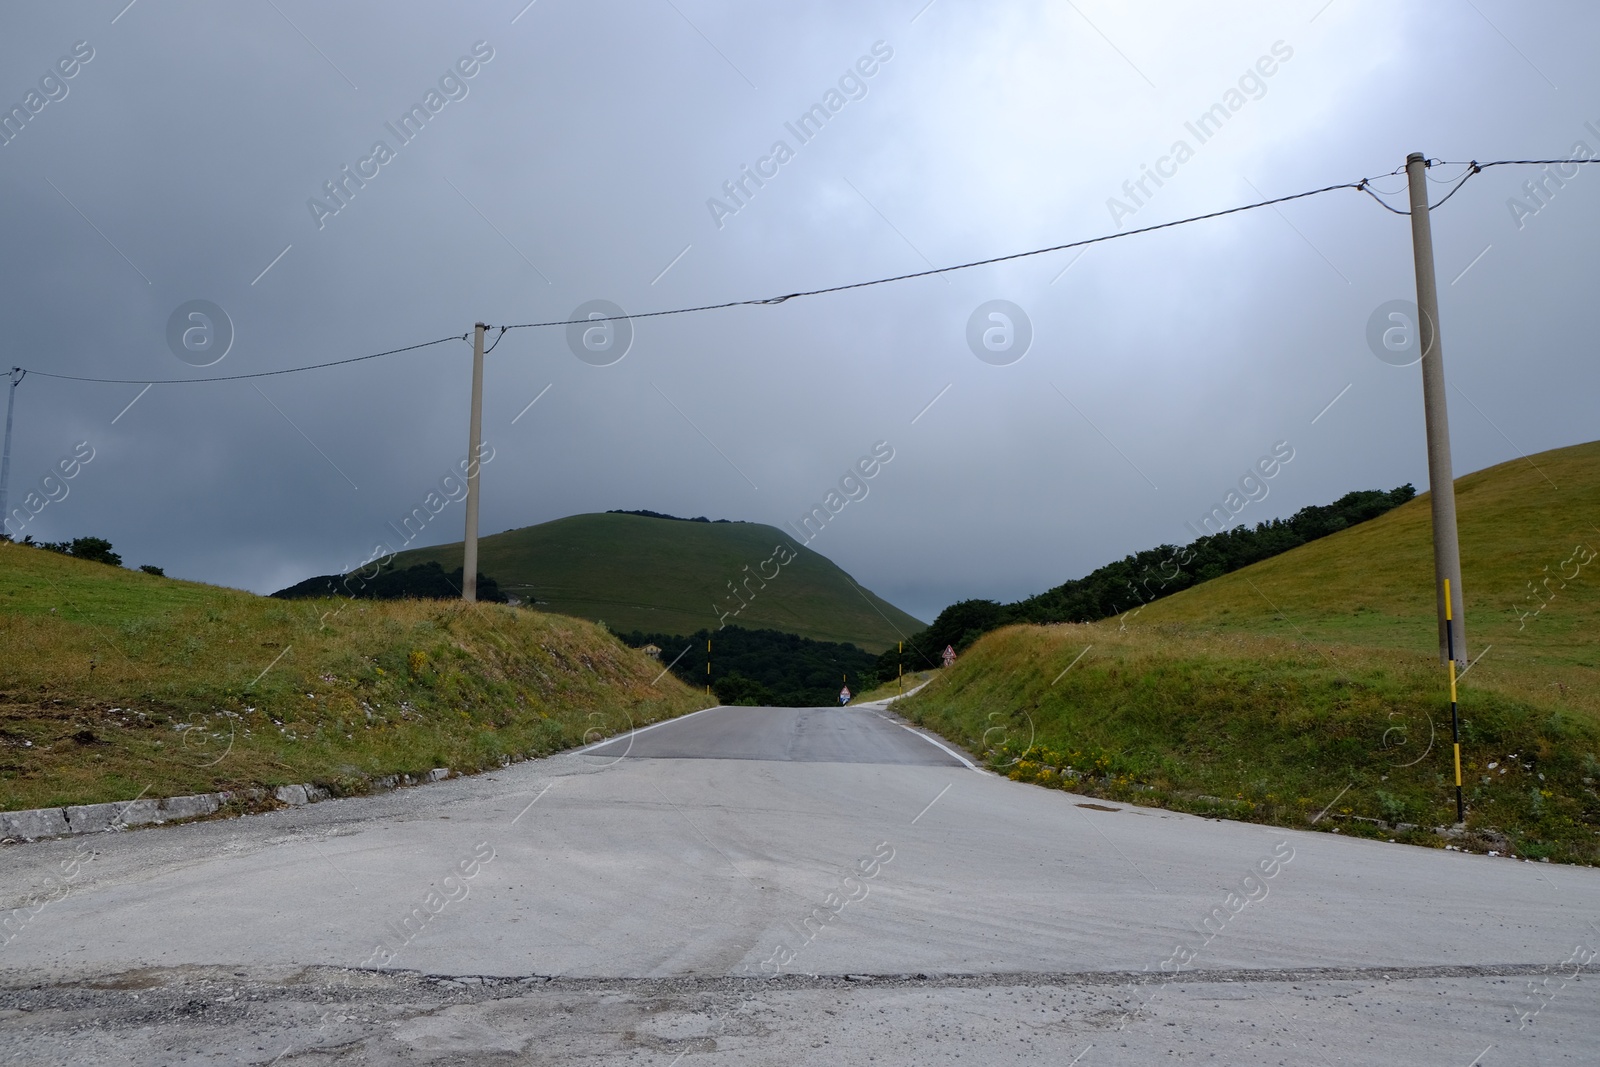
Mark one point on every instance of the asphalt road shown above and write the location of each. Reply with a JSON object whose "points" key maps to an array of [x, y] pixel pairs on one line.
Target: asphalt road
{"points": [[786, 735], [786, 886]]}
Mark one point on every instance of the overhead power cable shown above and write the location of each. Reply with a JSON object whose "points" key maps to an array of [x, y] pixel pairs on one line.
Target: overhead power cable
{"points": [[1364, 185], [1381, 202], [1513, 163], [237, 377], [959, 266], [1456, 188], [1473, 167]]}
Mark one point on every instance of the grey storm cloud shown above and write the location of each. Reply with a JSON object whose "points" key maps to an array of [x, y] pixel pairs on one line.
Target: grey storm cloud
{"points": [[195, 190]]}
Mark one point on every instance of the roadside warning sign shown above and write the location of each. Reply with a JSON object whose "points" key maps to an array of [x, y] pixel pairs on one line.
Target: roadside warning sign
{"points": [[844, 695]]}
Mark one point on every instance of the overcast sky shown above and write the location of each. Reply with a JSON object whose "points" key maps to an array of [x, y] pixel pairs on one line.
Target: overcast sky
{"points": [[580, 160]]}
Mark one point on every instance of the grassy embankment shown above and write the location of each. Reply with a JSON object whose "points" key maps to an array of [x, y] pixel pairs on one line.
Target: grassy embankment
{"points": [[115, 682], [1311, 681]]}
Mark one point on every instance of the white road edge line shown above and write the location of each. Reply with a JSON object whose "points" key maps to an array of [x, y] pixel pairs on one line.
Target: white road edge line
{"points": [[965, 762], [643, 729]]}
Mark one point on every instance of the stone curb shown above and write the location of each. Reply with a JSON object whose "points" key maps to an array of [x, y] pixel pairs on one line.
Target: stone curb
{"points": [[98, 818], [38, 823]]}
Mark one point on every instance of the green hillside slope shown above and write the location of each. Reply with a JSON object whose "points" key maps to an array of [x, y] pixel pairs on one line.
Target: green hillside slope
{"points": [[1372, 585], [672, 576], [116, 684], [1311, 680]]}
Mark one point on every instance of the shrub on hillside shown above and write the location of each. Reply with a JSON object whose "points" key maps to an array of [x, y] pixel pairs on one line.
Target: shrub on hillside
{"points": [[94, 549]]}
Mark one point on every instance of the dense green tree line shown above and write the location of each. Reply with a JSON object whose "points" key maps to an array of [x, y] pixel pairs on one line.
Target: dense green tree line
{"points": [[763, 667], [425, 581], [97, 549], [94, 549]]}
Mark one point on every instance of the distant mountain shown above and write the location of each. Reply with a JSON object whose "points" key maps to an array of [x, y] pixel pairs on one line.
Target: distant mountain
{"points": [[659, 574]]}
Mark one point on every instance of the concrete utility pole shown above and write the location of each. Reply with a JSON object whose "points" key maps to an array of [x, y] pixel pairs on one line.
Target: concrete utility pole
{"points": [[16, 376], [469, 552], [1441, 479]]}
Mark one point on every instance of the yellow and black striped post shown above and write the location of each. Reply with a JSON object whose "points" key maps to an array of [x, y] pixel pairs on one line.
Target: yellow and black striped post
{"points": [[1455, 715], [902, 666]]}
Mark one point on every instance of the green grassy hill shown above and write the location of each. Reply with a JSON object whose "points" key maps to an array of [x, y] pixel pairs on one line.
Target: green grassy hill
{"points": [[671, 576], [115, 684], [1312, 680], [1373, 584]]}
